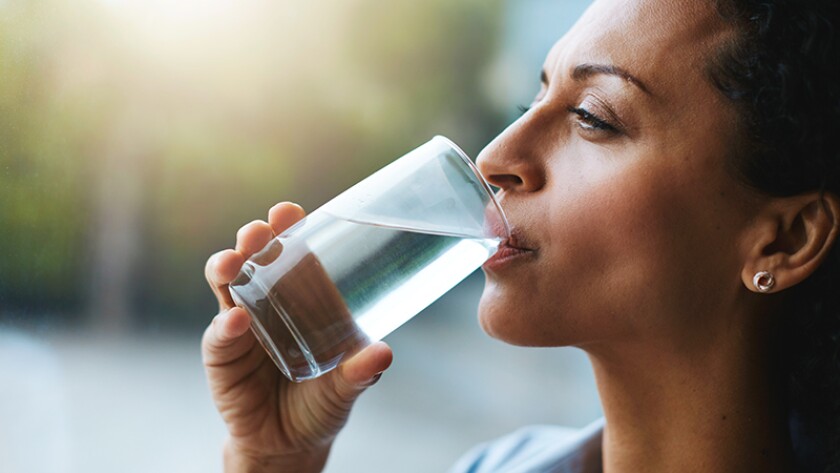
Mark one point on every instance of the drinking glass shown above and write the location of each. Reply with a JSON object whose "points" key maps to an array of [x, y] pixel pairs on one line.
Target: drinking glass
{"points": [[370, 259]]}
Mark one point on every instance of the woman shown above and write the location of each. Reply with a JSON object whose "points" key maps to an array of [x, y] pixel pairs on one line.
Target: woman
{"points": [[673, 191]]}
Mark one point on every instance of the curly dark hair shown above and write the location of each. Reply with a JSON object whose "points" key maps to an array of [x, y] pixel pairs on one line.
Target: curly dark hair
{"points": [[782, 71]]}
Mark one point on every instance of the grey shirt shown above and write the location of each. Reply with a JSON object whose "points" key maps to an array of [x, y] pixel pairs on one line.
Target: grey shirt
{"points": [[546, 449], [538, 449]]}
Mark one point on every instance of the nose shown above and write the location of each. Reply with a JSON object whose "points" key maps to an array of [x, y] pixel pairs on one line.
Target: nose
{"points": [[510, 161]]}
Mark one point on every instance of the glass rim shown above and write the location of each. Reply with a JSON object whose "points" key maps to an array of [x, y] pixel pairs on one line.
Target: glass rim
{"points": [[485, 185]]}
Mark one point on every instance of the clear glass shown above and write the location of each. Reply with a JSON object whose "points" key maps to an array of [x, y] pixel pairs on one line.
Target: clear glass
{"points": [[366, 262]]}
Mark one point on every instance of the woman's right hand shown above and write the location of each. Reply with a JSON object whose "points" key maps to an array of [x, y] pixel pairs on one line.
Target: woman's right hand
{"points": [[274, 424]]}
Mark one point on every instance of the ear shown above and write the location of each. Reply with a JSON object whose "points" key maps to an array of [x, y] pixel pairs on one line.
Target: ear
{"points": [[791, 238]]}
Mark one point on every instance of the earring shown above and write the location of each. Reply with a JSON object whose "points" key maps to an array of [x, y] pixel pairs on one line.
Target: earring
{"points": [[764, 281]]}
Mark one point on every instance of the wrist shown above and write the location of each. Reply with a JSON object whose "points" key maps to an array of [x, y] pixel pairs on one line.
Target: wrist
{"points": [[241, 460]]}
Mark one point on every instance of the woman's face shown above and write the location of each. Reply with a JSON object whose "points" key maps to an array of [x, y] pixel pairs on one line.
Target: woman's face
{"points": [[616, 179]]}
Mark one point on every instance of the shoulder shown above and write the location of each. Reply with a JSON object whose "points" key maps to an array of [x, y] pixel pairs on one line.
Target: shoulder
{"points": [[538, 449]]}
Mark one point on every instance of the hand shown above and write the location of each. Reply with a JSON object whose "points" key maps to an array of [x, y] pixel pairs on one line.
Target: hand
{"points": [[274, 424]]}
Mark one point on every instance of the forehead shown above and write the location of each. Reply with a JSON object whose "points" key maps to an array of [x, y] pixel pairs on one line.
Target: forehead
{"points": [[662, 42]]}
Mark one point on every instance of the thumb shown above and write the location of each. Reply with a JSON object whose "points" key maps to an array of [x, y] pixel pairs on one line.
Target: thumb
{"points": [[363, 370], [319, 410], [368, 363]]}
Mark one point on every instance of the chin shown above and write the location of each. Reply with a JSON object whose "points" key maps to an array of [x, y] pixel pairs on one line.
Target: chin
{"points": [[504, 320], [521, 321]]}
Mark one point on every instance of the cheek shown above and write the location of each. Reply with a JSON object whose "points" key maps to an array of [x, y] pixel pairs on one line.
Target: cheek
{"points": [[638, 253], [585, 231], [608, 247], [611, 252]]}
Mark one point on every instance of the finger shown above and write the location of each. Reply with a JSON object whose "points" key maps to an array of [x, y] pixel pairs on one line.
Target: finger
{"points": [[320, 409], [284, 215], [252, 237], [227, 338], [220, 270], [363, 369]]}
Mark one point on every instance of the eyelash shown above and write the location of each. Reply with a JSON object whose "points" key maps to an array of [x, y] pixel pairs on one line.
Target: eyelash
{"points": [[587, 120], [590, 121]]}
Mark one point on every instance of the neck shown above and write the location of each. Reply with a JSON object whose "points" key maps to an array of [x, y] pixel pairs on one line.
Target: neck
{"points": [[714, 408]]}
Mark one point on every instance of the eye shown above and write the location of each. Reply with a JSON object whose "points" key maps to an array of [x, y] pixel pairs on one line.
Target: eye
{"points": [[523, 109], [589, 121]]}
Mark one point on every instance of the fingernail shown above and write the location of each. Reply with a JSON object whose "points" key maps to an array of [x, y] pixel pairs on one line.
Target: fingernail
{"points": [[373, 380]]}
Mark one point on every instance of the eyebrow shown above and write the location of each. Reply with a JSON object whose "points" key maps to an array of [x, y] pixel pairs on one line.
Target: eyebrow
{"points": [[585, 71]]}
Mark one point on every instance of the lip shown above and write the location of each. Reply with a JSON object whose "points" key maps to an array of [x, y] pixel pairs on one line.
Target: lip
{"points": [[509, 251], [495, 222]]}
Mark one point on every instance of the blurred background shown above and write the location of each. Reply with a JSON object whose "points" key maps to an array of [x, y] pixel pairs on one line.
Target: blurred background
{"points": [[137, 136]]}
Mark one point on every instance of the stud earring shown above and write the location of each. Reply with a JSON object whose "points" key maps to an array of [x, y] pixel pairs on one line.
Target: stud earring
{"points": [[764, 281]]}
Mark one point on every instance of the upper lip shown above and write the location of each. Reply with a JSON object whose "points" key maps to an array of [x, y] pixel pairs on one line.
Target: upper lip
{"points": [[517, 241], [515, 238]]}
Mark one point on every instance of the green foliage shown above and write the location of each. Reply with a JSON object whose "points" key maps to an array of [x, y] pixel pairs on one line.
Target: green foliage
{"points": [[42, 175]]}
